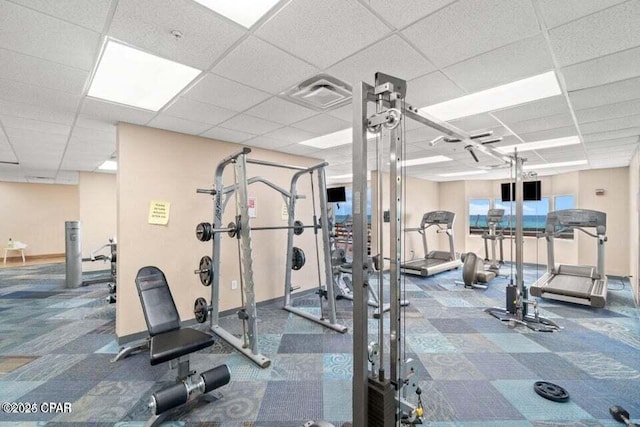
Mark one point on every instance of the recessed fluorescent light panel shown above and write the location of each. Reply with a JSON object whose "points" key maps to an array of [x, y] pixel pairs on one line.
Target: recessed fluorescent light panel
{"points": [[521, 91], [244, 12], [109, 165], [539, 145], [556, 165], [131, 77], [464, 173], [425, 161]]}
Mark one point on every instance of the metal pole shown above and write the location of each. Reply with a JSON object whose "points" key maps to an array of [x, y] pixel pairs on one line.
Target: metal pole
{"points": [[73, 253], [275, 165], [326, 244], [518, 162], [360, 279]]}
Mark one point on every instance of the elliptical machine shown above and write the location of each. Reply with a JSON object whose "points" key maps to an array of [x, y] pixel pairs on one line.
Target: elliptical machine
{"points": [[474, 274]]}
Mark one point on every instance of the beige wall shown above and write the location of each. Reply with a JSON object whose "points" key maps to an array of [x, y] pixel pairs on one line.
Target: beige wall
{"points": [[453, 197], [421, 196], [615, 203], [35, 214], [160, 165], [97, 197], [634, 223]]}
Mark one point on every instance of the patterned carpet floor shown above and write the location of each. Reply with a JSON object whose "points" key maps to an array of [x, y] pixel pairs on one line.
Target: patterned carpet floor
{"points": [[56, 345]]}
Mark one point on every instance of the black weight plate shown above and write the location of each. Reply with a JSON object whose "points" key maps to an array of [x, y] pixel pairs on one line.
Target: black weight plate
{"points": [[203, 231], [298, 227], [233, 229], [551, 391], [200, 310], [298, 259], [206, 270]]}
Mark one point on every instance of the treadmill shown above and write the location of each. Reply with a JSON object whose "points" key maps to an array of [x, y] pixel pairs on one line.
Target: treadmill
{"points": [[577, 284], [434, 262]]}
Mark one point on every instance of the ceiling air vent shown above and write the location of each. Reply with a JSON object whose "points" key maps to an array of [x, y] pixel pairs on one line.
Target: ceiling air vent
{"points": [[321, 93], [41, 179]]}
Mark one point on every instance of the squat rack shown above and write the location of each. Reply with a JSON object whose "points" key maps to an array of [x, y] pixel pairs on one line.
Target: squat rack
{"points": [[248, 345], [376, 399]]}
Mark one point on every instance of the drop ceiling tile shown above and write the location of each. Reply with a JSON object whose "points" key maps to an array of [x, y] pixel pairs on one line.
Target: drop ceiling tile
{"points": [[23, 137], [176, 124], [114, 113], [611, 93], [91, 146], [605, 32], [560, 12], [291, 135], [222, 134], [524, 58], [603, 70], [322, 124], [90, 14], [612, 143], [542, 123], [549, 134], [42, 98], [40, 72], [250, 124], [468, 28], [36, 112], [102, 126], [147, 24], [343, 113], [431, 89], [280, 111], [35, 125], [198, 111], [254, 54], [533, 110], [391, 56], [302, 150], [325, 32], [92, 134], [225, 93], [32, 33], [599, 163], [401, 13], [266, 143], [615, 134], [476, 122], [67, 177], [611, 124], [610, 111]]}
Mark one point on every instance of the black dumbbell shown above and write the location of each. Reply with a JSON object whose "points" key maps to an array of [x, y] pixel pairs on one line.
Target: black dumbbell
{"points": [[621, 415]]}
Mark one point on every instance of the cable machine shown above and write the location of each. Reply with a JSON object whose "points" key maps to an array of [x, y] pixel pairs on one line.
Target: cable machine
{"points": [[379, 396]]}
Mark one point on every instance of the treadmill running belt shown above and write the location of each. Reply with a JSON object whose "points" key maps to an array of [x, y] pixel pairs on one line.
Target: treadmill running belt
{"points": [[574, 286]]}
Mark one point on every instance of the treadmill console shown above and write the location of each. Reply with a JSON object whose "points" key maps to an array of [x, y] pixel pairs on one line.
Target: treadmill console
{"points": [[495, 215], [577, 218], [438, 217]]}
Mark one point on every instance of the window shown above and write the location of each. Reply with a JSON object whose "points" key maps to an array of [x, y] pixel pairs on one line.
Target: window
{"points": [[343, 210], [534, 216], [478, 215], [560, 203]]}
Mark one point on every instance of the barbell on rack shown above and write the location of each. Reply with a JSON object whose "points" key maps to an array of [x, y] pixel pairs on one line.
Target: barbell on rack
{"points": [[204, 230]]}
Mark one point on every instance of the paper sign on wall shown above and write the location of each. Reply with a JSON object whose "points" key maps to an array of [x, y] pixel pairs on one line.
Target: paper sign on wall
{"points": [[284, 213], [252, 204], [159, 212]]}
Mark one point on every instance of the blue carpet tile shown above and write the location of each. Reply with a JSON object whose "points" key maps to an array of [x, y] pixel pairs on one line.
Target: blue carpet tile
{"points": [[473, 370]]}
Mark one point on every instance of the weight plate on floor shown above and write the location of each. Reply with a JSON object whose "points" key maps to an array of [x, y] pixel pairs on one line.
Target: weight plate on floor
{"points": [[551, 391], [201, 310], [206, 270]]}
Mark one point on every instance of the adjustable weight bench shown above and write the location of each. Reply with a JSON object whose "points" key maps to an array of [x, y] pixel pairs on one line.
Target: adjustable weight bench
{"points": [[169, 342]]}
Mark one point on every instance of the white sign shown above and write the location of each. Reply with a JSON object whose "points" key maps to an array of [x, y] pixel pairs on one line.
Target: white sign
{"points": [[252, 204], [284, 213]]}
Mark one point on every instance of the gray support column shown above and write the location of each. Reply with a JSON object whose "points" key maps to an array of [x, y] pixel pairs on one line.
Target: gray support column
{"points": [[326, 244], [518, 162], [360, 280]]}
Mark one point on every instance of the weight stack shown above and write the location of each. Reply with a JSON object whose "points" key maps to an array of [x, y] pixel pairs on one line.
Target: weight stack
{"points": [[511, 299], [382, 404]]}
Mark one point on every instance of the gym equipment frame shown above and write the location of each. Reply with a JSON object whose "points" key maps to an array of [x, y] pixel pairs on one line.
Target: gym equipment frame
{"points": [[241, 230], [377, 400]]}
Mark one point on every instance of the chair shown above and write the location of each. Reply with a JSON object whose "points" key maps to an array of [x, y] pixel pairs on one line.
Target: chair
{"points": [[169, 342]]}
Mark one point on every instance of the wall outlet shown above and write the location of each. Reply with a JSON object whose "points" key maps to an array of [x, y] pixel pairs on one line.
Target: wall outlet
{"points": [[234, 284]]}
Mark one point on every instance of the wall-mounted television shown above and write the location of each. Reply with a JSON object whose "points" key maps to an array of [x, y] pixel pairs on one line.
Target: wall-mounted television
{"points": [[531, 191], [336, 195]]}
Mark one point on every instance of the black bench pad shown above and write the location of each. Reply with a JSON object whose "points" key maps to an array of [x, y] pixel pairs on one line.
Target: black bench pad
{"points": [[176, 343]]}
